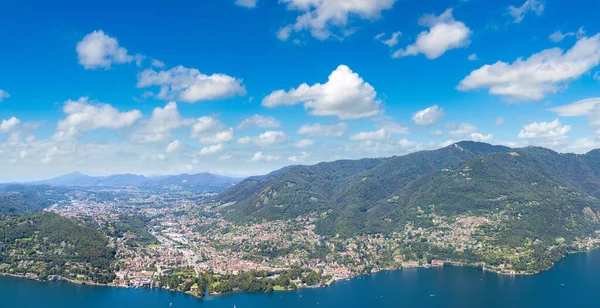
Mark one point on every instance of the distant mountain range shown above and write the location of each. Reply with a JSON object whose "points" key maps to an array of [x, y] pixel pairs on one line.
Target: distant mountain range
{"points": [[541, 193], [205, 182]]}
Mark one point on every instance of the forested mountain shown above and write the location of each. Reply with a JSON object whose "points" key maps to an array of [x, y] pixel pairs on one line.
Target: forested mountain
{"points": [[542, 193], [204, 182], [22, 199], [56, 246]]}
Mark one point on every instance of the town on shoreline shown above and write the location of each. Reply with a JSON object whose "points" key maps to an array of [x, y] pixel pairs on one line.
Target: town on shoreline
{"points": [[177, 240]]}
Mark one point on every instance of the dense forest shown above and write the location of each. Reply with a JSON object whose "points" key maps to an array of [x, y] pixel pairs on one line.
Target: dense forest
{"points": [[22, 199], [56, 246], [543, 194]]}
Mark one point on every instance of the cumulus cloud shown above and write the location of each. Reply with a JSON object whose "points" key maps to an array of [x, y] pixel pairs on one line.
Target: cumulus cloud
{"points": [[158, 63], [259, 156], [3, 95], [8, 125], [428, 116], [545, 130], [159, 127], [327, 18], [436, 133], [499, 121], [445, 33], [481, 137], [304, 143], [269, 138], [540, 74], [392, 41], [83, 115], [213, 149], [391, 126], [189, 85], [594, 118], [246, 3], [461, 129], [174, 146], [319, 130], [345, 95], [533, 6], [209, 130], [473, 57], [588, 107], [579, 108], [98, 50], [559, 36], [381, 134], [259, 121], [299, 158]]}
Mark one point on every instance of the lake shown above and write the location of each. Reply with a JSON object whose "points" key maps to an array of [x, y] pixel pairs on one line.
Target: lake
{"points": [[573, 282]]}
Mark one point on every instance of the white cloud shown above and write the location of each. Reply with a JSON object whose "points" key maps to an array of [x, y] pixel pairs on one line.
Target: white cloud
{"points": [[327, 18], [428, 116], [436, 133], [473, 57], [98, 50], [545, 130], [284, 33], [7, 126], [381, 134], [540, 74], [226, 157], [587, 107], [174, 146], [50, 154], [345, 95], [259, 156], [579, 108], [83, 115], [3, 95], [594, 119], [461, 129], [161, 124], [445, 33], [304, 143], [209, 130], [392, 41], [213, 149], [259, 121], [158, 63], [299, 158], [269, 138], [391, 126], [481, 137], [518, 13], [189, 85], [559, 36], [499, 121], [160, 157], [246, 3], [319, 130]]}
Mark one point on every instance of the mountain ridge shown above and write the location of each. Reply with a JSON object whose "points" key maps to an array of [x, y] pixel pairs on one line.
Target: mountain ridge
{"points": [[383, 195], [200, 181]]}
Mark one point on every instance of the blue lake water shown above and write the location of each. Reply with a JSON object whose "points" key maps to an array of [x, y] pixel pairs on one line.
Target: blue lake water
{"points": [[573, 282]]}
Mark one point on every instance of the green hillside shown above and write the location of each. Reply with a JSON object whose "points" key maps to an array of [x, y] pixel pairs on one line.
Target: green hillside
{"points": [[54, 245], [22, 199], [542, 193]]}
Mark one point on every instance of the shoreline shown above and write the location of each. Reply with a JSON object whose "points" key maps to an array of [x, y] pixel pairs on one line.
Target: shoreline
{"points": [[477, 265]]}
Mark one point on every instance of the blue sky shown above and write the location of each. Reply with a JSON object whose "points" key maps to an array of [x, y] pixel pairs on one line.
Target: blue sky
{"points": [[243, 87]]}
